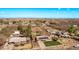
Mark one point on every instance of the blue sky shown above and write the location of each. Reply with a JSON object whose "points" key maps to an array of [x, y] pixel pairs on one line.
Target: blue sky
{"points": [[39, 12]]}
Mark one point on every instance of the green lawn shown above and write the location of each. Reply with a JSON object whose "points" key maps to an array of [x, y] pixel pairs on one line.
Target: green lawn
{"points": [[51, 43]]}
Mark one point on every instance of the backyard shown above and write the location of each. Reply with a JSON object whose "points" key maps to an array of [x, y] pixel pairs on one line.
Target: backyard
{"points": [[51, 43]]}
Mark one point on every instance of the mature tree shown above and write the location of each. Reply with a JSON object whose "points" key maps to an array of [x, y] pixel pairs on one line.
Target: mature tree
{"points": [[1, 21], [29, 30], [72, 29], [19, 28], [26, 31], [14, 22]]}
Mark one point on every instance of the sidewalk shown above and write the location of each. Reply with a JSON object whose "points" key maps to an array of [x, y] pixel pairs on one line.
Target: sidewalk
{"points": [[41, 44]]}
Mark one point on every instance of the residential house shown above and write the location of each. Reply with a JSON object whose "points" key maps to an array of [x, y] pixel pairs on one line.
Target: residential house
{"points": [[17, 39], [43, 37]]}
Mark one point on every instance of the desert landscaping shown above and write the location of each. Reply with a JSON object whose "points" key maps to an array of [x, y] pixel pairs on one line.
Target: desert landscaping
{"points": [[39, 34]]}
